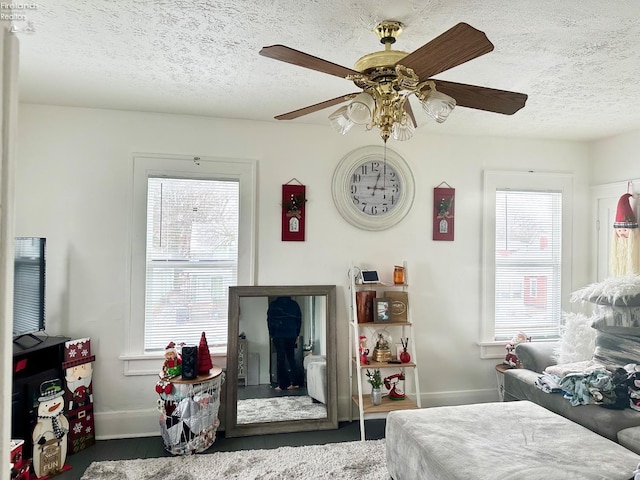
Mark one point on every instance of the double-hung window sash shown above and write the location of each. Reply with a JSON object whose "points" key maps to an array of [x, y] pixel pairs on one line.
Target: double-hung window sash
{"points": [[528, 263], [191, 259]]}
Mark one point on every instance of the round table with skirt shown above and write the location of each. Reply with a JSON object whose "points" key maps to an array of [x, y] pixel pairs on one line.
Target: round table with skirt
{"points": [[189, 414]]}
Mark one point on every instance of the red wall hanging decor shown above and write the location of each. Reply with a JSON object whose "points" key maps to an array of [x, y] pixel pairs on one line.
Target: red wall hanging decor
{"points": [[443, 212], [293, 212]]}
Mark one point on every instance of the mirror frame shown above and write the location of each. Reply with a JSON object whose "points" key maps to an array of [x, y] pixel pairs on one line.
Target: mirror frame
{"points": [[232, 428]]}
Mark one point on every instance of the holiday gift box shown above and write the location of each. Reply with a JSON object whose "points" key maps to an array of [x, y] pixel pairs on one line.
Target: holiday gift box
{"points": [[16, 451], [81, 429], [19, 465]]}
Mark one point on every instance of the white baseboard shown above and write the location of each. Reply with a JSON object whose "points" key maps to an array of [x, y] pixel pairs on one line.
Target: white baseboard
{"points": [[127, 424], [144, 423], [460, 397]]}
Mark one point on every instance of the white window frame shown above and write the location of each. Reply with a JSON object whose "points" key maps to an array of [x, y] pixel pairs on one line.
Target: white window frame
{"points": [[537, 181], [136, 361]]}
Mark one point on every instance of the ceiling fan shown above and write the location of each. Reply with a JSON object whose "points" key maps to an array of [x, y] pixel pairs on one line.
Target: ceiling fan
{"points": [[389, 77]]}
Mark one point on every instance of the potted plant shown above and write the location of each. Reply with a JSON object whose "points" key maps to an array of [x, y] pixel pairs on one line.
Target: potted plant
{"points": [[375, 380]]}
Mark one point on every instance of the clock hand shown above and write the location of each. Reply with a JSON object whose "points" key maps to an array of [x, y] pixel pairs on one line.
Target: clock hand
{"points": [[375, 187]]}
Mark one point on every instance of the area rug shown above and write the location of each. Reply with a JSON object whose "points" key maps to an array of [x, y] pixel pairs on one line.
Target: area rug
{"points": [[346, 461], [278, 409]]}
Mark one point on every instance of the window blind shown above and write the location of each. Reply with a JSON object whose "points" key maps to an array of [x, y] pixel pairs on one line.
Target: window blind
{"points": [[528, 263], [191, 259]]}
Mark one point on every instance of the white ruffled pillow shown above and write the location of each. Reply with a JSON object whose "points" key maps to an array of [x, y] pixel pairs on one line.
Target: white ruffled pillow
{"points": [[577, 339]]}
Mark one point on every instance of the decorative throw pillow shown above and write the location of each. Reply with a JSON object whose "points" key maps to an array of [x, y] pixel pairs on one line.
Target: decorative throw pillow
{"points": [[616, 319], [616, 350], [577, 339], [620, 291]]}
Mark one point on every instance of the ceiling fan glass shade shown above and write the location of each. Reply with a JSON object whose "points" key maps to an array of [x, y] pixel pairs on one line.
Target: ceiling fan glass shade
{"points": [[360, 110], [438, 105], [340, 121], [403, 130]]}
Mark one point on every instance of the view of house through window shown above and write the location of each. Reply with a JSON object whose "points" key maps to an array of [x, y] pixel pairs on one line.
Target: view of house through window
{"points": [[528, 261], [191, 259]]}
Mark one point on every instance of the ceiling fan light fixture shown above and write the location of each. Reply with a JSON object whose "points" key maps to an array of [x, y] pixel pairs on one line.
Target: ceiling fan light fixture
{"points": [[438, 105], [340, 121], [387, 78], [360, 110], [403, 130]]}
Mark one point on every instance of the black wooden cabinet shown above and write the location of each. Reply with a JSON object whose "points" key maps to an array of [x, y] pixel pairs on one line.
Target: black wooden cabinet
{"points": [[33, 364]]}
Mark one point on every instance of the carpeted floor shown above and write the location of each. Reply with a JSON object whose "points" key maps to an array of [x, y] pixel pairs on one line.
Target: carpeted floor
{"points": [[278, 409], [346, 461]]}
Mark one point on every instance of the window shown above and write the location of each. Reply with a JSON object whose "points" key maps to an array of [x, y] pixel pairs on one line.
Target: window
{"points": [[193, 237], [527, 258], [192, 259]]}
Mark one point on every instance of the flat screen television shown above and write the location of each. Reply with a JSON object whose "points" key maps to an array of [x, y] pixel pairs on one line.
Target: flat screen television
{"points": [[29, 287]]}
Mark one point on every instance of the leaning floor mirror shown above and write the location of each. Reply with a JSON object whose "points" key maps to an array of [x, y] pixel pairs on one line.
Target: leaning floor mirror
{"points": [[276, 381]]}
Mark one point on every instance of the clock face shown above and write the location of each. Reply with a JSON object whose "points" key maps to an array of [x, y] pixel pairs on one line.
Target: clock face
{"points": [[373, 188]]}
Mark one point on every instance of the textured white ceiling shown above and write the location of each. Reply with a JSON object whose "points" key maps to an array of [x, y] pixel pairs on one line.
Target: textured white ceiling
{"points": [[579, 61]]}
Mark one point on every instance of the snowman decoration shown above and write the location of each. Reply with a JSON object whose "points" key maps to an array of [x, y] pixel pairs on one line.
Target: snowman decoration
{"points": [[50, 434]]}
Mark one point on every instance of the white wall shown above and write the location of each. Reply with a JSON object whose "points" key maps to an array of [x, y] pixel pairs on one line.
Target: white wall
{"points": [[73, 187], [616, 159], [253, 322]]}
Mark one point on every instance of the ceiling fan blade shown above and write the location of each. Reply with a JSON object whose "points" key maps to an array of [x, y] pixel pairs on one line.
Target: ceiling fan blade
{"points": [[409, 110], [295, 57], [454, 47], [483, 98], [314, 108]]}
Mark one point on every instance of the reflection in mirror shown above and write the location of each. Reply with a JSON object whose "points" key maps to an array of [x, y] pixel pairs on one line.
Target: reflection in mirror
{"points": [[281, 360]]}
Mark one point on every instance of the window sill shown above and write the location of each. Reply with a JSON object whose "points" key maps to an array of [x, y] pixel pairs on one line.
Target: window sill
{"points": [[151, 364]]}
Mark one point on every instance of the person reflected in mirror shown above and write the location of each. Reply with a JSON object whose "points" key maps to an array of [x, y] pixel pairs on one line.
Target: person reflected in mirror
{"points": [[284, 320]]}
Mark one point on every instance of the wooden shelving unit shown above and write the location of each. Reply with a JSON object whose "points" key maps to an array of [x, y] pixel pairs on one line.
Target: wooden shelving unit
{"points": [[386, 406], [360, 393]]}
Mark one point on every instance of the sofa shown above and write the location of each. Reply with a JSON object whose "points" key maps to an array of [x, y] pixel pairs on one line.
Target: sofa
{"points": [[315, 367], [622, 426]]}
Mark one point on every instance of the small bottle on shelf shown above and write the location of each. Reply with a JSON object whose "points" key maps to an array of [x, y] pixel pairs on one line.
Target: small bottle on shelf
{"points": [[398, 275]]}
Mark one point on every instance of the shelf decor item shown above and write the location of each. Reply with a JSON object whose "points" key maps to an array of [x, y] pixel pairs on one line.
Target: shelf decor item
{"points": [[399, 305], [293, 211], [398, 275], [363, 350], [404, 356], [382, 310], [375, 380], [391, 384], [382, 352], [443, 212], [364, 305]]}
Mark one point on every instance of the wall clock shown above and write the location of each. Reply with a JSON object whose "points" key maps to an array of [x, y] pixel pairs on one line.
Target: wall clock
{"points": [[373, 189]]}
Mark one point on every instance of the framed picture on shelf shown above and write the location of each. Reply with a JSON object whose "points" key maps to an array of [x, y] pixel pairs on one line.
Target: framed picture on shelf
{"points": [[381, 310], [399, 305]]}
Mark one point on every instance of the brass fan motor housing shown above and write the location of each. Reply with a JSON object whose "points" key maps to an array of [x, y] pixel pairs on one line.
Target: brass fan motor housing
{"points": [[386, 58], [388, 32]]}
